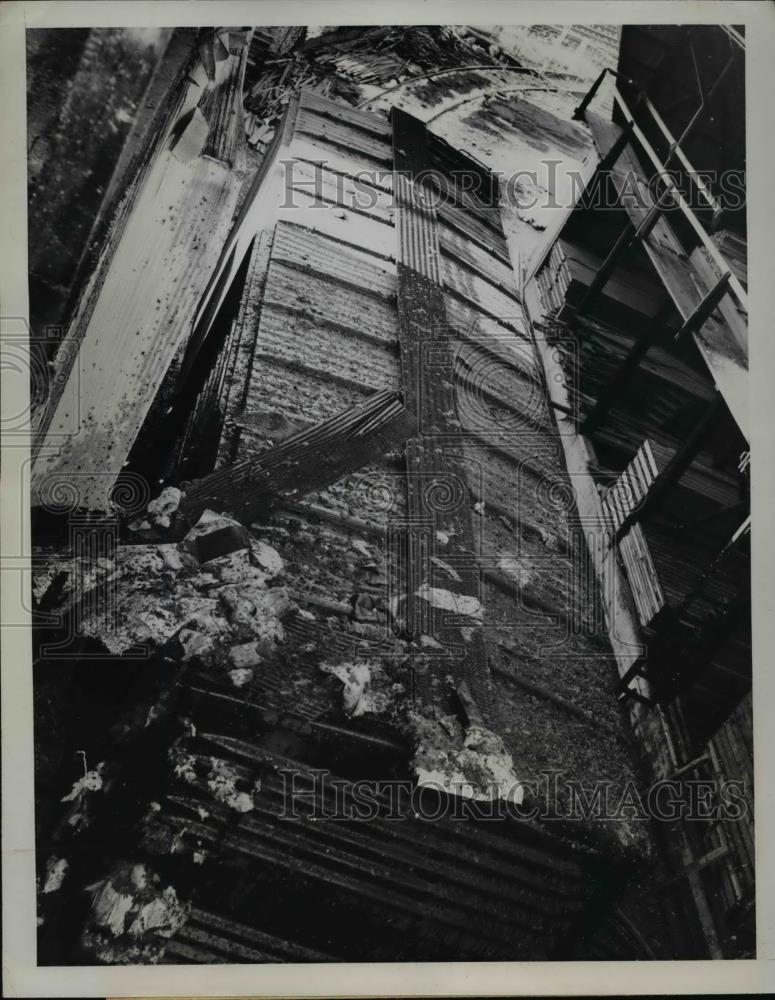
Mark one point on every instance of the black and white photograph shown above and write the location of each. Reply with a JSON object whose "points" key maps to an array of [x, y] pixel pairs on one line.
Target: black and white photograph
{"points": [[388, 513]]}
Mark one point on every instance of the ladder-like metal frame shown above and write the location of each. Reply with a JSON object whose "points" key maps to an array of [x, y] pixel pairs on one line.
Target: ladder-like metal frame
{"points": [[632, 236]]}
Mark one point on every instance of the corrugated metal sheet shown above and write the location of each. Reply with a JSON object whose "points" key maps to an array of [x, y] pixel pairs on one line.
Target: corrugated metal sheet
{"points": [[434, 888]]}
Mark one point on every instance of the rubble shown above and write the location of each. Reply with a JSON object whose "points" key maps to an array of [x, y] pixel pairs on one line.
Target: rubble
{"points": [[255, 612], [267, 557], [56, 870], [358, 698], [222, 782], [168, 590], [92, 781], [241, 676], [519, 570], [449, 570], [131, 916], [161, 510], [473, 765], [445, 600], [195, 645], [244, 656], [213, 536]]}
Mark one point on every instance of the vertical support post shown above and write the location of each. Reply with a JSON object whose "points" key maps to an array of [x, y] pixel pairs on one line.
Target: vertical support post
{"points": [[628, 237], [678, 464], [637, 352], [705, 307], [578, 114]]}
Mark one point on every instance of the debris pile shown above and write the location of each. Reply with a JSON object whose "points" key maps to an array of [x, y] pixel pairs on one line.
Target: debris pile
{"points": [[131, 916], [347, 63], [471, 763], [377, 55], [215, 590], [274, 629]]}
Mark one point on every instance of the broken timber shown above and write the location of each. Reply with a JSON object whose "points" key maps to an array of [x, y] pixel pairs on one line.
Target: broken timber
{"points": [[310, 460], [138, 313]]}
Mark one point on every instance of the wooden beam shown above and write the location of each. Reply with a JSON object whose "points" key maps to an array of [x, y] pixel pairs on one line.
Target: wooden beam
{"points": [[703, 310], [612, 391], [310, 460], [678, 464], [579, 113], [623, 140], [630, 694], [686, 210], [695, 866], [636, 669], [620, 247], [140, 310], [629, 237], [717, 343]]}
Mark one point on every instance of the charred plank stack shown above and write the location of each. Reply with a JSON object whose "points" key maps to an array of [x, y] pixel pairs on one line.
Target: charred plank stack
{"points": [[662, 564], [571, 269], [309, 460]]}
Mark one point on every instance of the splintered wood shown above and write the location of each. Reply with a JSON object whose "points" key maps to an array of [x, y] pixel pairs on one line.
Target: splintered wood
{"points": [[309, 460], [138, 312]]}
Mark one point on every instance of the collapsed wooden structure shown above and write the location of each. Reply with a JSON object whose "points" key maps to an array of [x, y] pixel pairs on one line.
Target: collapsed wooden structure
{"points": [[349, 369]]}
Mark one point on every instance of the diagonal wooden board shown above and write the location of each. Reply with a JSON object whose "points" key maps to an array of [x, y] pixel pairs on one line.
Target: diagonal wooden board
{"points": [[685, 281], [310, 460]]}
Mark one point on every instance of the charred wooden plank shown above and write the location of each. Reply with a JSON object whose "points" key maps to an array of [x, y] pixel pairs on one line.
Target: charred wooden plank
{"points": [[363, 234], [551, 871], [472, 229], [308, 461], [349, 162], [336, 111], [342, 135], [236, 940], [328, 302], [331, 188]]}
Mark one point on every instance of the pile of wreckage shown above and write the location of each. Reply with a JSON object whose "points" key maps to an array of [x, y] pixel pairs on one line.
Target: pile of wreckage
{"points": [[212, 638]]}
